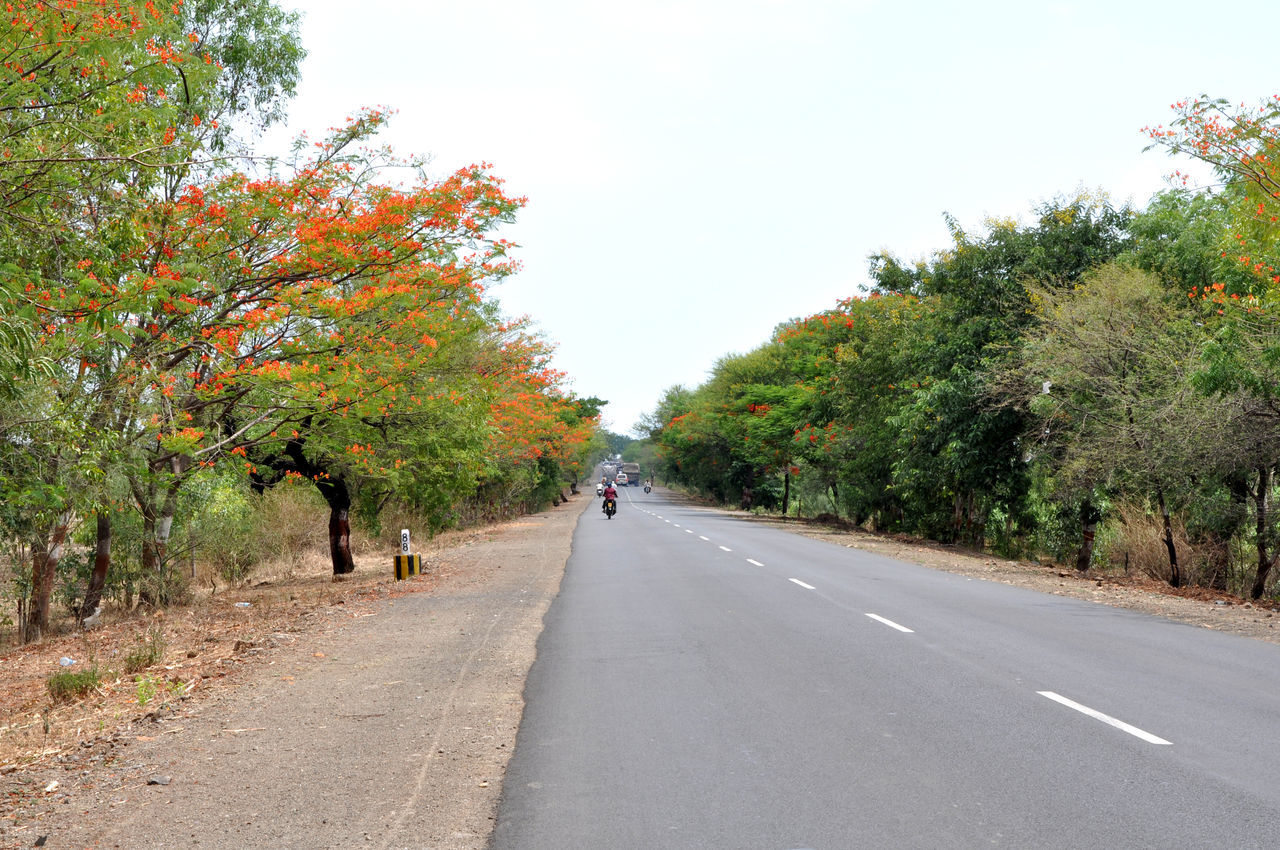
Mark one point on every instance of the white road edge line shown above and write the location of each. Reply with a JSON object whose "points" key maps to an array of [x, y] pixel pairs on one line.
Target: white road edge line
{"points": [[725, 549], [754, 561], [1110, 721], [708, 539], [891, 624], [802, 584], [688, 531]]}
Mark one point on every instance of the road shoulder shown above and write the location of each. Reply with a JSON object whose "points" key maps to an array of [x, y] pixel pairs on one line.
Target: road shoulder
{"points": [[390, 726]]}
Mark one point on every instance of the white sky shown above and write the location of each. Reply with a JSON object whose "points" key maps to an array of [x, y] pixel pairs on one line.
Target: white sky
{"points": [[700, 171]]}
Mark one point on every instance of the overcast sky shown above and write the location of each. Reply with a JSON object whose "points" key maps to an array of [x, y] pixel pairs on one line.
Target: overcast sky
{"points": [[699, 171]]}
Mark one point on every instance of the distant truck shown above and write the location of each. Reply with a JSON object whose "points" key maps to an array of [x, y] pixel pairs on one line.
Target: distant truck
{"points": [[633, 473]]}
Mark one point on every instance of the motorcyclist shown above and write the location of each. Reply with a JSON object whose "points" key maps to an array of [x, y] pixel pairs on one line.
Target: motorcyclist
{"points": [[610, 493]]}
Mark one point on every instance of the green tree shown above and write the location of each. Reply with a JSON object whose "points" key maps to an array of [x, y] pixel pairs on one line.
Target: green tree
{"points": [[1241, 145], [91, 119], [1109, 376], [616, 444], [958, 461], [879, 372]]}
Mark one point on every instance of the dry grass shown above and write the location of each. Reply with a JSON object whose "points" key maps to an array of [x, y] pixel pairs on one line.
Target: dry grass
{"points": [[1139, 544]]}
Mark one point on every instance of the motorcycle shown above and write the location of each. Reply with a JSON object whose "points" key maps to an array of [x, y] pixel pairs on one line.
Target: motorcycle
{"points": [[610, 508], [599, 489], [647, 488]]}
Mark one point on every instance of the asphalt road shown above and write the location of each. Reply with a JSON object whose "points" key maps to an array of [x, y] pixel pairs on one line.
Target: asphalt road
{"points": [[706, 682]]}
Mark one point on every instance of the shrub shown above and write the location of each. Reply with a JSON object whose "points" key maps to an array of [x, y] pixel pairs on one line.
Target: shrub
{"points": [[1139, 543], [290, 522], [166, 588], [146, 651], [237, 532], [66, 685], [146, 689]]}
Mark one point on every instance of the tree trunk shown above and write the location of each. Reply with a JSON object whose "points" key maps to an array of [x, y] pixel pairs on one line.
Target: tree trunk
{"points": [[338, 498], [1175, 574], [157, 508], [1089, 517], [333, 489], [163, 531], [45, 555], [977, 521], [1261, 499], [786, 493], [101, 564], [150, 558], [1238, 486], [42, 572], [749, 492]]}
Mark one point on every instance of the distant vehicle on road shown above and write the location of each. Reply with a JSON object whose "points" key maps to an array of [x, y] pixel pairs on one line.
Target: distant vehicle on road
{"points": [[622, 479], [633, 473]]}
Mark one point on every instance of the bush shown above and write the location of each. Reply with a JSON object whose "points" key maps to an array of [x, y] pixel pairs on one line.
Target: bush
{"points": [[226, 531], [290, 522], [165, 588], [1138, 542], [237, 532], [67, 685], [146, 651]]}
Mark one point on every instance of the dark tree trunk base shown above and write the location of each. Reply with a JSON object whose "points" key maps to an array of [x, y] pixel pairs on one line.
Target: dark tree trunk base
{"points": [[101, 564]]}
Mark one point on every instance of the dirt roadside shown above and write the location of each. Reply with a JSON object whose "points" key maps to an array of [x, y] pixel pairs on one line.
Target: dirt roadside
{"points": [[382, 717], [381, 721]]}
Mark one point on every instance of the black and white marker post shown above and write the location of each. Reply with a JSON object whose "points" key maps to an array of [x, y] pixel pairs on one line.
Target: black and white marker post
{"points": [[407, 564]]}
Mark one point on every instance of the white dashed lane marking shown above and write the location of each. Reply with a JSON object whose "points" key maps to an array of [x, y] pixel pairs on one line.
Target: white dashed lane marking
{"points": [[890, 623], [1107, 719], [1061, 700]]}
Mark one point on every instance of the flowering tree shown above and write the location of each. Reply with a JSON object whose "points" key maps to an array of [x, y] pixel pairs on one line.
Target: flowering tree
{"points": [[319, 321], [540, 435], [1242, 144], [91, 119]]}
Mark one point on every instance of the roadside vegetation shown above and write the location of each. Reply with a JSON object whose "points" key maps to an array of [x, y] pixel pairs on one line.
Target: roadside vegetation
{"points": [[1097, 385], [206, 356]]}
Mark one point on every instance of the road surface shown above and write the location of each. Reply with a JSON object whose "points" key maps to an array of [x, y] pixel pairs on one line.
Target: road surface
{"points": [[706, 682]]}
